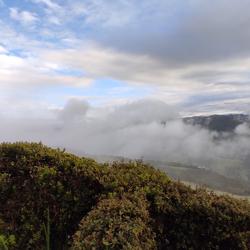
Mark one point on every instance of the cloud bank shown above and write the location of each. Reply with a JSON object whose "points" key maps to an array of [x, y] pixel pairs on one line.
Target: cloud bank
{"points": [[148, 129]]}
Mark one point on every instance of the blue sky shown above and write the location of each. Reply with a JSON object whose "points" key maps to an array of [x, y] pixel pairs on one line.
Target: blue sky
{"points": [[194, 54]]}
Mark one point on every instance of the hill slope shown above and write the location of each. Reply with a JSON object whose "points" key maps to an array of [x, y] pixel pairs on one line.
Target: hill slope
{"points": [[219, 123], [49, 197], [204, 177]]}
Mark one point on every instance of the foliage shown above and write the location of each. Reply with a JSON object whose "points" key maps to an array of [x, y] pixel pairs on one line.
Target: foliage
{"points": [[7, 242], [116, 223], [36, 178], [50, 197]]}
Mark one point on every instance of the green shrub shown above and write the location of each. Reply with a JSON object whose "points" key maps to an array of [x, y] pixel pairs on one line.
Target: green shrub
{"points": [[132, 176], [196, 219], [184, 218], [125, 205], [7, 242], [116, 223], [35, 178]]}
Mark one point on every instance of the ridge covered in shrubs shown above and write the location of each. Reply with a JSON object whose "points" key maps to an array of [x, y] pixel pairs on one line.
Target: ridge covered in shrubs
{"points": [[52, 198]]}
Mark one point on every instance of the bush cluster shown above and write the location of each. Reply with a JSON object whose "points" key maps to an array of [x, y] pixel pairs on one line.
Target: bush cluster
{"points": [[120, 222], [124, 205], [35, 179]]}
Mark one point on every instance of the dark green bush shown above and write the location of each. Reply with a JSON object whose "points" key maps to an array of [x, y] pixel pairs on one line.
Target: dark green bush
{"points": [[126, 205], [196, 219], [33, 179], [116, 223], [7, 240], [185, 218]]}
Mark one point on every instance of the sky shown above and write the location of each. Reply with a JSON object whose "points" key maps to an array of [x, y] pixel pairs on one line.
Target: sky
{"points": [[194, 55]]}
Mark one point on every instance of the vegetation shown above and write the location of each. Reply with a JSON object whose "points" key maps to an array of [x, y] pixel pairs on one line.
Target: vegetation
{"points": [[219, 123], [54, 200], [125, 224]]}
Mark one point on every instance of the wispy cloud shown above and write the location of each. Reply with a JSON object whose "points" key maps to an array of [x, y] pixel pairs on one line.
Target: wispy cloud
{"points": [[25, 17], [49, 4], [3, 50]]}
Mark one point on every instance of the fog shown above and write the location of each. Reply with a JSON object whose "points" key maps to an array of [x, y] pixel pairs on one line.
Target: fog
{"points": [[145, 129]]}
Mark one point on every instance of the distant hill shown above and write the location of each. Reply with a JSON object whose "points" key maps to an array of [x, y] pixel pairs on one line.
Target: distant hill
{"points": [[53, 200], [204, 177], [194, 174], [219, 123]]}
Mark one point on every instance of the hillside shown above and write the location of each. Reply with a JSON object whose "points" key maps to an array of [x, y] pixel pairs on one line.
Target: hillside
{"points": [[219, 123], [204, 177], [197, 175], [51, 199]]}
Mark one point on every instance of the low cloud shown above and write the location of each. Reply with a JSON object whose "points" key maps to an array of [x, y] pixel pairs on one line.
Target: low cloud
{"points": [[243, 129], [73, 111], [146, 128]]}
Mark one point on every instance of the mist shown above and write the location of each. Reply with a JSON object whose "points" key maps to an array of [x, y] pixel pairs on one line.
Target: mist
{"points": [[145, 129]]}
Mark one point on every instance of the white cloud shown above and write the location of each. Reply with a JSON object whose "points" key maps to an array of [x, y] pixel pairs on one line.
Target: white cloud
{"points": [[190, 86], [17, 73], [101, 61], [243, 129], [3, 50], [25, 17], [49, 4], [105, 13], [54, 20]]}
